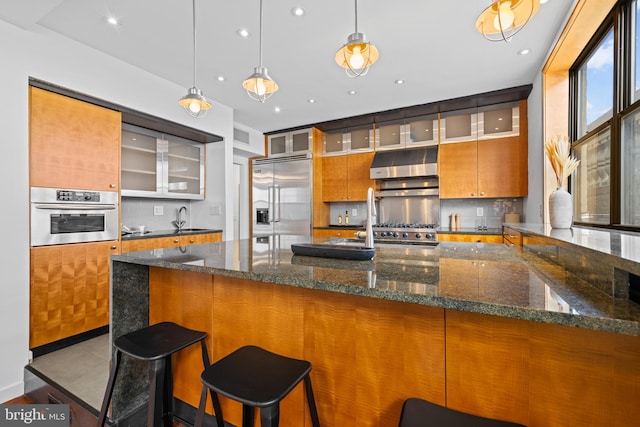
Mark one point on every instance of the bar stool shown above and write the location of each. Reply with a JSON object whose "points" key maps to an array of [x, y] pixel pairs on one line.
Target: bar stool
{"points": [[154, 344], [420, 413], [258, 379]]}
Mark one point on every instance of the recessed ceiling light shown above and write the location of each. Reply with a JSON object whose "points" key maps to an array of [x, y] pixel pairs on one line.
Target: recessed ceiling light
{"points": [[352, 92], [112, 20], [276, 109], [524, 52], [543, 1], [297, 11], [399, 82], [311, 101], [221, 78], [243, 32]]}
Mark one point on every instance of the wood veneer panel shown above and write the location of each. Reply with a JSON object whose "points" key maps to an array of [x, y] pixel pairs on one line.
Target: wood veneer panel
{"points": [[72, 144], [359, 176], [369, 355], [69, 290], [484, 238], [334, 178], [582, 377], [270, 316], [487, 366], [500, 167], [185, 298], [458, 166]]}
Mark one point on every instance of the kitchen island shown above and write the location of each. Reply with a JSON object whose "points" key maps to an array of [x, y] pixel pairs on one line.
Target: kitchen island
{"points": [[477, 327]]}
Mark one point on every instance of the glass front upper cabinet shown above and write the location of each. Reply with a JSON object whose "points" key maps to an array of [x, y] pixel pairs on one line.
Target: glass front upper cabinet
{"points": [[411, 132], [161, 166], [459, 126], [348, 141], [290, 143], [499, 120]]}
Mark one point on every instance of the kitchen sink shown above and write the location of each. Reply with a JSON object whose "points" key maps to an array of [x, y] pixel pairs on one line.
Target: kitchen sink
{"points": [[329, 250]]}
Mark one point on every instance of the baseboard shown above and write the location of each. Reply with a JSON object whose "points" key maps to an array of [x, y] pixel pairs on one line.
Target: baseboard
{"points": [[11, 392], [66, 342]]}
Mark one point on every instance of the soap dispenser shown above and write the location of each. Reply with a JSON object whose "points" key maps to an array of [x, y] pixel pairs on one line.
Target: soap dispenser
{"points": [[346, 217]]}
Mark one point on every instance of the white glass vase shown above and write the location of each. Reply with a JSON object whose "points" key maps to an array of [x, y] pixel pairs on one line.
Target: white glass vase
{"points": [[560, 209]]}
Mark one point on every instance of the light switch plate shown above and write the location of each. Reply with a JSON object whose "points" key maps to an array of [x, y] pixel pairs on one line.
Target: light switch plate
{"points": [[158, 210], [480, 211], [354, 212]]}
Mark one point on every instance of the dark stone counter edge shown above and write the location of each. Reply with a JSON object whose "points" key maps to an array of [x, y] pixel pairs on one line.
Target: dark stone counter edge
{"points": [[618, 326], [168, 233]]}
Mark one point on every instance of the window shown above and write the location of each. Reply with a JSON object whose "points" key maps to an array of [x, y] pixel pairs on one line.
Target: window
{"points": [[605, 119], [595, 87]]}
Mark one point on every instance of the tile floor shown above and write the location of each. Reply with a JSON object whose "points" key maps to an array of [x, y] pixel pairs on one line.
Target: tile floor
{"points": [[82, 369]]}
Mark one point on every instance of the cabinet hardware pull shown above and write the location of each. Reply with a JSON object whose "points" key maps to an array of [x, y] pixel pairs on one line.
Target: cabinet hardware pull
{"points": [[473, 194], [482, 193], [112, 186], [176, 241]]}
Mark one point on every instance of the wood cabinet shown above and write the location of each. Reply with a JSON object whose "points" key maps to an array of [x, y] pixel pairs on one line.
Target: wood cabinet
{"points": [[72, 144], [346, 233], [477, 238], [512, 237], [169, 242], [486, 168], [346, 178], [69, 290]]}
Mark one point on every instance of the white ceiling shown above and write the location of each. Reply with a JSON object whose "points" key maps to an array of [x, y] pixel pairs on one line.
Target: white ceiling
{"points": [[432, 45]]}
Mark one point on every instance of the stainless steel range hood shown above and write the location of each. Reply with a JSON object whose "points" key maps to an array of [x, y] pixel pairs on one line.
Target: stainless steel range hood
{"points": [[408, 163]]}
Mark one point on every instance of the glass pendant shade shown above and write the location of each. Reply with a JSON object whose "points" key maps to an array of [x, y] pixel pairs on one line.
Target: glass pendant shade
{"points": [[505, 18], [357, 55], [259, 85], [194, 103]]}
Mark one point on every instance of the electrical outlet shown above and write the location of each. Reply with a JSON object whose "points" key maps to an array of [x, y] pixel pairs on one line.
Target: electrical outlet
{"points": [[158, 210], [214, 210], [479, 211], [354, 212]]}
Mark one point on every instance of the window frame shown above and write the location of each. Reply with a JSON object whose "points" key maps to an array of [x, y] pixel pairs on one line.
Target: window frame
{"points": [[621, 20]]}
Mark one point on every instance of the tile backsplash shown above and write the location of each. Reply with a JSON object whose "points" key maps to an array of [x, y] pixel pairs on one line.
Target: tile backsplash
{"points": [[473, 212], [140, 211]]}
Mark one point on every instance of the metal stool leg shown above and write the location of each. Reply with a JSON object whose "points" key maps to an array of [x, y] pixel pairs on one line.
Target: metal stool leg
{"points": [[115, 363], [311, 401], [247, 415], [270, 416]]}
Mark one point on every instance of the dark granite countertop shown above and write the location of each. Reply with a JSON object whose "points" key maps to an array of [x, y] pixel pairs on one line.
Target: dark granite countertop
{"points": [[339, 227], [469, 230], [167, 233], [484, 278]]}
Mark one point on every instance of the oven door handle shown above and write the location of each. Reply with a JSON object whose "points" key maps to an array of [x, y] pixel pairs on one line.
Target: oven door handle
{"points": [[63, 207]]}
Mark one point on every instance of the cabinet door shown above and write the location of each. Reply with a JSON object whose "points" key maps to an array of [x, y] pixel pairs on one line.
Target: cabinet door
{"points": [[358, 176], [141, 161], [389, 137], [458, 170], [341, 232], [334, 143], [334, 178], [72, 144], [301, 141], [69, 290], [502, 168], [185, 169], [277, 144], [421, 131]]}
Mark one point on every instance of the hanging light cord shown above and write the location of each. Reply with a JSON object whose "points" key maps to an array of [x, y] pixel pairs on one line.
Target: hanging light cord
{"points": [[194, 43], [260, 41], [356, 2]]}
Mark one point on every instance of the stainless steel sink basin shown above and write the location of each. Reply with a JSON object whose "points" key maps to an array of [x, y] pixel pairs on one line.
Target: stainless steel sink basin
{"points": [[329, 250]]}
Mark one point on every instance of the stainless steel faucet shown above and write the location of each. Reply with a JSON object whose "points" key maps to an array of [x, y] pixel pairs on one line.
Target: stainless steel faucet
{"points": [[371, 215], [179, 222]]}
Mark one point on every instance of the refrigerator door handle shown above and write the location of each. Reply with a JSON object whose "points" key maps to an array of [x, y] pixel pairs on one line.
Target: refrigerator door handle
{"points": [[276, 203], [269, 204]]}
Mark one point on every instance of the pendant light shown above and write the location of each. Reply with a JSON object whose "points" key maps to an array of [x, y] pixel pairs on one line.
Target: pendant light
{"points": [[357, 55], [259, 85], [194, 103], [505, 18]]}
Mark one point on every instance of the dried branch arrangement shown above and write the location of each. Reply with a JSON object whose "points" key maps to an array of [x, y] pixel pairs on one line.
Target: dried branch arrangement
{"points": [[558, 151]]}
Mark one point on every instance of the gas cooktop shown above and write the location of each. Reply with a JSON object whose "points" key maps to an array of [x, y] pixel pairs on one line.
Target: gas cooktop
{"points": [[402, 232]]}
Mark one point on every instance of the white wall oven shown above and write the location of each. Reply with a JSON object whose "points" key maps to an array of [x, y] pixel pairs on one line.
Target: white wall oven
{"points": [[60, 216]]}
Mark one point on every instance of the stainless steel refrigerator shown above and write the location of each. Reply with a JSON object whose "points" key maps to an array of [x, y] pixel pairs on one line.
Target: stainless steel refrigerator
{"points": [[282, 196]]}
